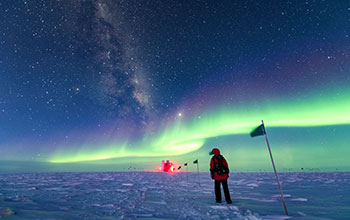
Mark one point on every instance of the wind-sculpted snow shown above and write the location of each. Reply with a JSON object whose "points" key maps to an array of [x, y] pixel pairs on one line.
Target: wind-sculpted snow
{"points": [[146, 195]]}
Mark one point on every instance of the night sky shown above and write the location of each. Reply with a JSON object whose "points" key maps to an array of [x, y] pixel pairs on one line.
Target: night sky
{"points": [[148, 80]]}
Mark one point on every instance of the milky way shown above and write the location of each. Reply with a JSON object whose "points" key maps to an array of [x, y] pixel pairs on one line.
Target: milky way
{"points": [[117, 75]]}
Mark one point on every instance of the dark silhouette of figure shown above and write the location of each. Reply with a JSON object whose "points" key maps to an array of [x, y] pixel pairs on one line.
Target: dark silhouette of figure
{"points": [[219, 172]]}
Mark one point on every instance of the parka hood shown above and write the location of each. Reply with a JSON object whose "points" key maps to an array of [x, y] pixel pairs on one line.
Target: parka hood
{"points": [[215, 151]]}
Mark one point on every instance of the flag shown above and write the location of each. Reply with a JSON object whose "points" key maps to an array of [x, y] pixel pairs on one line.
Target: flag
{"points": [[185, 164], [196, 161], [258, 131], [179, 168]]}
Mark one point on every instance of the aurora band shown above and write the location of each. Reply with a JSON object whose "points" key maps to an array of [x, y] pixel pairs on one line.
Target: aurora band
{"points": [[184, 136]]}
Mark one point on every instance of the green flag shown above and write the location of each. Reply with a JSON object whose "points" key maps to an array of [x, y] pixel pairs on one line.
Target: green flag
{"points": [[258, 131], [196, 161]]}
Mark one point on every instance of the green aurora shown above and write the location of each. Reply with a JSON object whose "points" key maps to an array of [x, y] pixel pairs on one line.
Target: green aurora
{"points": [[185, 137]]}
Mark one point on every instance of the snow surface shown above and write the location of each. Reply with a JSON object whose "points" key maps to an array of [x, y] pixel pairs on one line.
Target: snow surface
{"points": [[147, 195]]}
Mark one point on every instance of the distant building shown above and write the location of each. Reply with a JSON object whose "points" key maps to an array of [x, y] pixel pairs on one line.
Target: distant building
{"points": [[167, 166]]}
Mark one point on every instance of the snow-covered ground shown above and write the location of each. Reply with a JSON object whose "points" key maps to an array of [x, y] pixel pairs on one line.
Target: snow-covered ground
{"points": [[147, 195]]}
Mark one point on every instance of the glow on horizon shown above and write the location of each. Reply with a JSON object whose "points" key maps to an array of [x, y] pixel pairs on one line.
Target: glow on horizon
{"points": [[185, 136]]}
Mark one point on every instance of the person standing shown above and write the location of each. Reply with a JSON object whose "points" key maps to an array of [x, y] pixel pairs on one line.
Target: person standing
{"points": [[219, 172]]}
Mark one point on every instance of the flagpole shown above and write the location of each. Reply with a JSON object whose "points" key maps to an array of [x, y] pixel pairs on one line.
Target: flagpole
{"points": [[274, 169], [187, 172], [199, 184]]}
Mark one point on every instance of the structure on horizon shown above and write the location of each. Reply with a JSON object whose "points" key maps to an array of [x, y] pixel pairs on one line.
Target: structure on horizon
{"points": [[167, 166]]}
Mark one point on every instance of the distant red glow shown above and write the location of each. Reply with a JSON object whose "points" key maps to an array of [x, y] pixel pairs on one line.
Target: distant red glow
{"points": [[167, 167]]}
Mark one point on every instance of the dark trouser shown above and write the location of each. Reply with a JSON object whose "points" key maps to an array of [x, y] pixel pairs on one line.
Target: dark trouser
{"points": [[218, 191]]}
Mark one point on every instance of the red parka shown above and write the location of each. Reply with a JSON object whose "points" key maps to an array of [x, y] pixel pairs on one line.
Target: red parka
{"points": [[213, 160]]}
